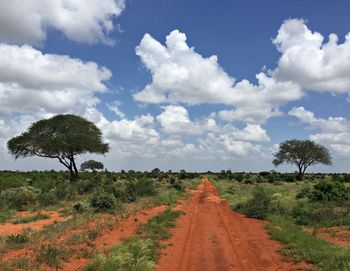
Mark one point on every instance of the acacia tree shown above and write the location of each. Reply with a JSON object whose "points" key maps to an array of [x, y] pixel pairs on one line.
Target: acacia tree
{"points": [[91, 164], [302, 153], [62, 137]]}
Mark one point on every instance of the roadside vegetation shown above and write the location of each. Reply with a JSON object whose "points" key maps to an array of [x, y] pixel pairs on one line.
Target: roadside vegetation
{"points": [[88, 207], [139, 253], [297, 211]]}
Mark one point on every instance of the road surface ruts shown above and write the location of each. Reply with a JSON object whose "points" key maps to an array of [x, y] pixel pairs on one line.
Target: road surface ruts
{"points": [[212, 237]]}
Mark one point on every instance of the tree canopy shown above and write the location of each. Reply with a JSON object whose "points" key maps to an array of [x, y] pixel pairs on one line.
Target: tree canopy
{"points": [[61, 137], [91, 164], [302, 153]]}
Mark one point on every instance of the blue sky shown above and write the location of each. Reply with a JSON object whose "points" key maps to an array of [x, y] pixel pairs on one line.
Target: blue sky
{"points": [[180, 107]]}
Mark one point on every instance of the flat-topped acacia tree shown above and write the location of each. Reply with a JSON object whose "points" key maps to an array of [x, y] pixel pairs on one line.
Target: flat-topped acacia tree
{"points": [[61, 137], [302, 153], [92, 165]]}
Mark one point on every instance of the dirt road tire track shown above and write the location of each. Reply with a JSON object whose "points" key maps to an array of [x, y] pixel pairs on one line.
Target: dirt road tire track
{"points": [[212, 237]]}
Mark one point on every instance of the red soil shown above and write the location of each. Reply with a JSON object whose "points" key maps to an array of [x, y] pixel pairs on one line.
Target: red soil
{"points": [[339, 236], [210, 236], [9, 228], [123, 229]]}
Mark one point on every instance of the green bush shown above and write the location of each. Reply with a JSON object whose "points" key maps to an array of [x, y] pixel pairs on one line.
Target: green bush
{"points": [[52, 256], [176, 183], [17, 239], [81, 206], [130, 190], [85, 186], [325, 214], [102, 201], [327, 190], [303, 193], [19, 198], [136, 254], [63, 190], [258, 206], [47, 199]]}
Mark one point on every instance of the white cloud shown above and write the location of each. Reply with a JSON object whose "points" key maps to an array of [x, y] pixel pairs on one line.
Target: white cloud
{"points": [[139, 130], [258, 103], [240, 148], [334, 131], [114, 107], [32, 82], [310, 61], [175, 120], [87, 21], [180, 75]]}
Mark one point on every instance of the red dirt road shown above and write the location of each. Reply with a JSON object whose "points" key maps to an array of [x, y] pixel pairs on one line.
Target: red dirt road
{"points": [[212, 237]]}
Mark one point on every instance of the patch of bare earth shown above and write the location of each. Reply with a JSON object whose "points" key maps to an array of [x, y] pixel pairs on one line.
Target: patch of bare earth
{"points": [[113, 230], [10, 228], [339, 236]]}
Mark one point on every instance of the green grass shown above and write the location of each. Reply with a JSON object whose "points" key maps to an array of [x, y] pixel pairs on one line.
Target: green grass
{"points": [[5, 215], [157, 228], [16, 240], [169, 197], [29, 219], [298, 243], [138, 253], [135, 254], [52, 256], [303, 245]]}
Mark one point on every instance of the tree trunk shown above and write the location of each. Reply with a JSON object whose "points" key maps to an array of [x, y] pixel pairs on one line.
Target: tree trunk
{"points": [[72, 174], [301, 173], [76, 172]]}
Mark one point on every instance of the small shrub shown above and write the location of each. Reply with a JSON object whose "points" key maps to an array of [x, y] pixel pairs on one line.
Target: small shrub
{"points": [[168, 197], [130, 190], [92, 234], [81, 206], [258, 205], [47, 199], [157, 228], [323, 214], [19, 198], [17, 239], [85, 186], [102, 201], [327, 190], [20, 263], [52, 256], [63, 190], [135, 254], [176, 183], [303, 193]]}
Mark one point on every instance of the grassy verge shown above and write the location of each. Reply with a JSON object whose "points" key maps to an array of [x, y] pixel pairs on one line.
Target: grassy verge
{"points": [[299, 244], [138, 253], [29, 219], [303, 245]]}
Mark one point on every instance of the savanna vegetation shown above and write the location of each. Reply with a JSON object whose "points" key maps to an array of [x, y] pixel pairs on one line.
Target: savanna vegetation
{"points": [[80, 207], [297, 211], [88, 207]]}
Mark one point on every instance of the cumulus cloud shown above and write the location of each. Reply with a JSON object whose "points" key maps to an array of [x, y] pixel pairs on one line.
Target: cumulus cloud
{"points": [[87, 21], [32, 82], [310, 61], [334, 131], [114, 107], [180, 75], [175, 120]]}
